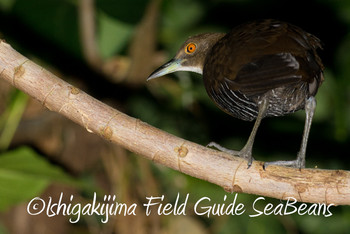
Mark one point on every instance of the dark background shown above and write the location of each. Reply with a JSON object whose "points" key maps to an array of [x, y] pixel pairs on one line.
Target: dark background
{"points": [[48, 32]]}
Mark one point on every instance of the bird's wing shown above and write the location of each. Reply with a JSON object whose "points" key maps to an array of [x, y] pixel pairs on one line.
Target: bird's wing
{"points": [[264, 73], [253, 59]]}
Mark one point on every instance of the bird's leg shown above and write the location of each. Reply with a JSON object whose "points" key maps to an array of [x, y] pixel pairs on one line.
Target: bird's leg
{"points": [[246, 151], [310, 106]]}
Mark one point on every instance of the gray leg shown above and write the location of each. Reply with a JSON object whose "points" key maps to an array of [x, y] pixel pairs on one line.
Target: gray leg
{"points": [[246, 151], [310, 106]]}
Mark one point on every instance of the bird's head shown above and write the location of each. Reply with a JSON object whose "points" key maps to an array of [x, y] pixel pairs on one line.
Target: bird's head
{"points": [[190, 56]]}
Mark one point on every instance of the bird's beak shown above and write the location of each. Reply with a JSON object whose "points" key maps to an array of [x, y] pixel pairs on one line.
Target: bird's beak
{"points": [[169, 67]]}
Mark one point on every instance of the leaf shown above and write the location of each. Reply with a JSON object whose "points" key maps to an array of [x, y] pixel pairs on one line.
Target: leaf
{"points": [[113, 35], [6, 5], [24, 174], [179, 17], [10, 119]]}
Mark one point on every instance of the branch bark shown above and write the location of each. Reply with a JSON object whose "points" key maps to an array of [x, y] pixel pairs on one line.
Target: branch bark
{"points": [[87, 34], [231, 173]]}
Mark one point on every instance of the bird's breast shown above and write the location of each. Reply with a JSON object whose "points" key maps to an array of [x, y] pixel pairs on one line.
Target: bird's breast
{"points": [[281, 100]]}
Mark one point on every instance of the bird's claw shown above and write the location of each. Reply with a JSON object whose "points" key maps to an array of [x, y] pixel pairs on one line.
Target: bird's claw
{"points": [[242, 154], [298, 163]]}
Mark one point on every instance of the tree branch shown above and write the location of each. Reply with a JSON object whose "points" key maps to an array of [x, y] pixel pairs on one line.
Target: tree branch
{"points": [[128, 69], [231, 173], [88, 35]]}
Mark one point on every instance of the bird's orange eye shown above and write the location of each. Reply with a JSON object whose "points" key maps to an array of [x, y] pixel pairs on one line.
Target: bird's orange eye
{"points": [[190, 48]]}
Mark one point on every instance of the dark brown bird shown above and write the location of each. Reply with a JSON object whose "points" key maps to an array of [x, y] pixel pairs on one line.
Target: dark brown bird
{"points": [[259, 69]]}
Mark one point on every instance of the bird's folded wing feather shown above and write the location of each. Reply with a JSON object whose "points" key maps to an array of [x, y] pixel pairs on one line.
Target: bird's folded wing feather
{"points": [[265, 73]]}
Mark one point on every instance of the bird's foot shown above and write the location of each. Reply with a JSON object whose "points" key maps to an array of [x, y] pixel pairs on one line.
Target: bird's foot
{"points": [[298, 163], [246, 154], [223, 149]]}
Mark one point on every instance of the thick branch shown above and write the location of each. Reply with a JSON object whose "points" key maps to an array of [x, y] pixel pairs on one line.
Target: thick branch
{"points": [[231, 173]]}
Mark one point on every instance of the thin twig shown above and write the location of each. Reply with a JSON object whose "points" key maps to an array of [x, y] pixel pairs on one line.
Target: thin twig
{"points": [[87, 33], [129, 69], [231, 173]]}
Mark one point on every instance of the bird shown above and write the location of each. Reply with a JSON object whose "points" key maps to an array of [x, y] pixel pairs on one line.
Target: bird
{"points": [[262, 68]]}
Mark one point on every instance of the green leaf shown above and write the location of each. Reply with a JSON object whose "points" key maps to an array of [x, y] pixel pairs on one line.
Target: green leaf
{"points": [[10, 119], [24, 174], [113, 35], [179, 16], [6, 4]]}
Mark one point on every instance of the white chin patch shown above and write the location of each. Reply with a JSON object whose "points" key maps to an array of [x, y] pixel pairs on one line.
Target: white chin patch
{"points": [[191, 69]]}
